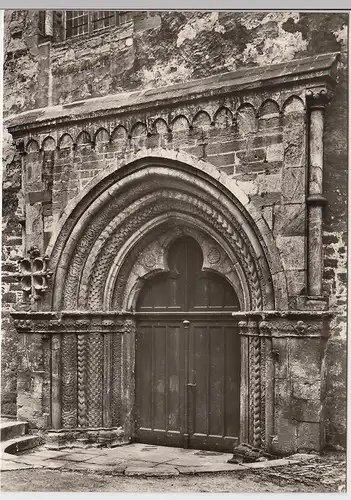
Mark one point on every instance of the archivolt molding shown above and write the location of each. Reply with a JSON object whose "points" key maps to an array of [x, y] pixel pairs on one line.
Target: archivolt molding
{"points": [[160, 203], [120, 202], [144, 262]]}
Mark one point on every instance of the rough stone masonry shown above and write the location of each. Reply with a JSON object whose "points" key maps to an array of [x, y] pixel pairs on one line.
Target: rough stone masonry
{"points": [[228, 127]]}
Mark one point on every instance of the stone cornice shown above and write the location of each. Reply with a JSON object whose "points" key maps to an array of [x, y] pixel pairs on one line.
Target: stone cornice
{"points": [[308, 72]]}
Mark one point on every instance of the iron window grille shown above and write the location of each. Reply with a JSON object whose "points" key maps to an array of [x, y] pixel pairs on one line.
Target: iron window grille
{"points": [[80, 22]]}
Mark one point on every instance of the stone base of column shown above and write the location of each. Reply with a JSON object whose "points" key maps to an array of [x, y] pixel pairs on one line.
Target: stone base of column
{"points": [[84, 438]]}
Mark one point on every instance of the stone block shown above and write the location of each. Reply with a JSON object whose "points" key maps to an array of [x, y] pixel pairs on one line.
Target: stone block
{"points": [[282, 398], [105, 459], [35, 186], [268, 183], [68, 438], [267, 213], [83, 466], [265, 140], [292, 251], [306, 410], [30, 409], [225, 147], [51, 464], [229, 170], [293, 185], [74, 457], [306, 390], [285, 440], [45, 454], [296, 282], [264, 199], [304, 358], [222, 160], [275, 152], [294, 155], [309, 436], [289, 219], [251, 156], [34, 226], [280, 290], [197, 151]]}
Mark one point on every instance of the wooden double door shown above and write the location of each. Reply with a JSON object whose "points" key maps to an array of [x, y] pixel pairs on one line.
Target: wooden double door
{"points": [[187, 356]]}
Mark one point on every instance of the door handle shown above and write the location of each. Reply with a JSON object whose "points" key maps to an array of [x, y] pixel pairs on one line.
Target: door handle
{"points": [[191, 385]]}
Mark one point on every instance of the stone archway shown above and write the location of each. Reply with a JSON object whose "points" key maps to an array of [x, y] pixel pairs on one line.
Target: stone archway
{"points": [[124, 198], [108, 241]]}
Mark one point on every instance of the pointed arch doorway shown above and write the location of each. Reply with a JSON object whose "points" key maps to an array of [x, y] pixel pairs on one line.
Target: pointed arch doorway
{"points": [[187, 369]]}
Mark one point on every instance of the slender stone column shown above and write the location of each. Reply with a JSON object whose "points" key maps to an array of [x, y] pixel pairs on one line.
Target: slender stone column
{"points": [[116, 389], [244, 384], [107, 376], [56, 381], [252, 412], [128, 380], [69, 380], [316, 101], [81, 379]]}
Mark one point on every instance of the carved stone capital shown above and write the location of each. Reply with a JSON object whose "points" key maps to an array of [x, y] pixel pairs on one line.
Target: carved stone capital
{"points": [[248, 328], [69, 322], [129, 326], [318, 97], [291, 328], [283, 323]]}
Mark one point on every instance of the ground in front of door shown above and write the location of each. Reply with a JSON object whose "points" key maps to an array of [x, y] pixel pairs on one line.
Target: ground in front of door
{"points": [[139, 467]]}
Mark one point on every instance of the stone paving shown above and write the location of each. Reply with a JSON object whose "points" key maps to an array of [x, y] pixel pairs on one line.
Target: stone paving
{"points": [[137, 460]]}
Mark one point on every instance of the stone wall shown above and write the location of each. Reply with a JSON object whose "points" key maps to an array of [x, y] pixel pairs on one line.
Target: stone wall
{"points": [[257, 149], [335, 251], [156, 49], [245, 140]]}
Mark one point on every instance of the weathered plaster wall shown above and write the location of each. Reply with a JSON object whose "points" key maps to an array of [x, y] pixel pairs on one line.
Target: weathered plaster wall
{"points": [[161, 48]]}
